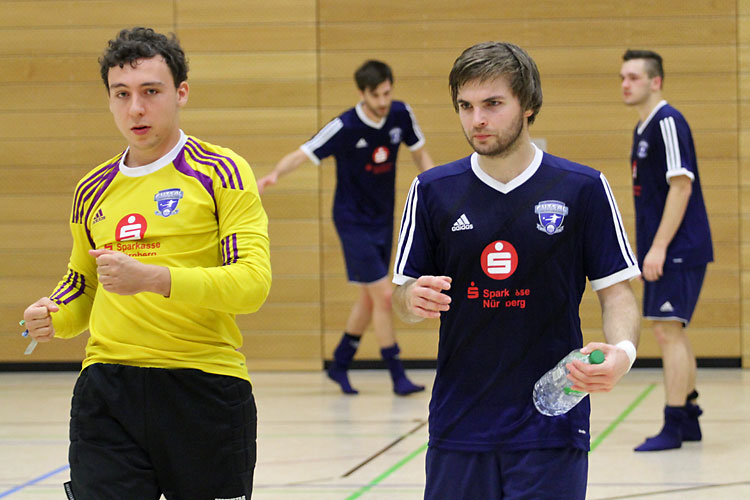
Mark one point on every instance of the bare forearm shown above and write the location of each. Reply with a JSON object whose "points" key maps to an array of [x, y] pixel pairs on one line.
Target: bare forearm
{"points": [[674, 211], [621, 318], [422, 159], [401, 303], [290, 162], [158, 280]]}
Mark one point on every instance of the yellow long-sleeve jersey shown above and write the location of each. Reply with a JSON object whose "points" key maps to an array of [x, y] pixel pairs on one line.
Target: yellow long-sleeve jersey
{"points": [[195, 211]]}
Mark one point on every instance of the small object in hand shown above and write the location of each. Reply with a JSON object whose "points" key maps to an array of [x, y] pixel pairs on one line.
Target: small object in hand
{"points": [[32, 345]]}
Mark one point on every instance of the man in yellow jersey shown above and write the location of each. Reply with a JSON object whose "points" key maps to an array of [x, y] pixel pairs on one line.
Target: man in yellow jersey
{"points": [[170, 241]]}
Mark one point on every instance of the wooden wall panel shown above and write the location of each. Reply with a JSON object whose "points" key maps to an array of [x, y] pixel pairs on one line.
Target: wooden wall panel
{"points": [[253, 78], [266, 75], [348, 11], [743, 56], [579, 54]]}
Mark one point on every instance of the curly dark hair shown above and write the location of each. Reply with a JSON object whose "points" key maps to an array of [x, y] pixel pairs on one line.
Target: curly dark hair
{"points": [[144, 43]]}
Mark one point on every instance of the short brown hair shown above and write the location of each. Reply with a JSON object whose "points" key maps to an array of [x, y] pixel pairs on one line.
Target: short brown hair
{"points": [[654, 63], [490, 60]]}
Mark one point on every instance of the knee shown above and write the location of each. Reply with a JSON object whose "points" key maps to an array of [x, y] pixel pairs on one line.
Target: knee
{"points": [[382, 299], [667, 333]]}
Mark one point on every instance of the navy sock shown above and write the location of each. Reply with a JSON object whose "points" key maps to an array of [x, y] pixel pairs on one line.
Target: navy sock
{"points": [[342, 357], [401, 385], [670, 436]]}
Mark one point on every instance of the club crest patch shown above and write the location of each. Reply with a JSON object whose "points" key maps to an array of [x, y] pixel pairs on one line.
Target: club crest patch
{"points": [[551, 216], [395, 134], [642, 149], [166, 202]]}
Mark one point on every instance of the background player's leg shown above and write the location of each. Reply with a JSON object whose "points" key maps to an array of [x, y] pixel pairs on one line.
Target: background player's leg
{"points": [[360, 315], [679, 365], [359, 318], [679, 371], [382, 320]]}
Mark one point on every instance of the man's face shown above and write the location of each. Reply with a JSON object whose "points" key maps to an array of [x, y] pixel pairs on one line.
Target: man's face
{"points": [[636, 85], [145, 105], [378, 100], [491, 116]]}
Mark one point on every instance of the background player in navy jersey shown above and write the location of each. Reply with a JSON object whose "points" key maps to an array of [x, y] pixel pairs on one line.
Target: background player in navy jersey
{"points": [[499, 245], [672, 235], [365, 141]]}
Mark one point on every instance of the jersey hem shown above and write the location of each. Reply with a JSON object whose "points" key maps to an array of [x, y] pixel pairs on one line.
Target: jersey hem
{"points": [[628, 273], [400, 279], [417, 145], [678, 172], [310, 154]]}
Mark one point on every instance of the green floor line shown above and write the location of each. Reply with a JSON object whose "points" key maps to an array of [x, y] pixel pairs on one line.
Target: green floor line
{"points": [[621, 417], [387, 473]]}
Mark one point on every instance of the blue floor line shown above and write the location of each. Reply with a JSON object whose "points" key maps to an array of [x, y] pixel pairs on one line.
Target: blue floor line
{"points": [[18, 488]]}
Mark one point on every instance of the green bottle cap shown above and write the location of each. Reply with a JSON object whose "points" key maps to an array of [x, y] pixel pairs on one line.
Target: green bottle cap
{"points": [[596, 357]]}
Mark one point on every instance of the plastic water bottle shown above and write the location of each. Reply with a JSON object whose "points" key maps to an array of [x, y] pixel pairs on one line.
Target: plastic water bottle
{"points": [[552, 392]]}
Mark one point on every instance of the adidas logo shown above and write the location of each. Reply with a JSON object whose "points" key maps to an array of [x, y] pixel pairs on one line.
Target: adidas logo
{"points": [[362, 143], [666, 307], [98, 216], [462, 224]]}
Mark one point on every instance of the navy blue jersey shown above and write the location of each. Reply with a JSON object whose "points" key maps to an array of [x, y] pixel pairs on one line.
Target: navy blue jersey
{"points": [[519, 255], [365, 153], [663, 148]]}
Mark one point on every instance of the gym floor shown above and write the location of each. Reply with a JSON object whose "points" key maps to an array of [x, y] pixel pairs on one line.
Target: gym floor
{"points": [[317, 444]]}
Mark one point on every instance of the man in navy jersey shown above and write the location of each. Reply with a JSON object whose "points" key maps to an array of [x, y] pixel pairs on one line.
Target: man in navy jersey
{"points": [[365, 142], [673, 238], [499, 245]]}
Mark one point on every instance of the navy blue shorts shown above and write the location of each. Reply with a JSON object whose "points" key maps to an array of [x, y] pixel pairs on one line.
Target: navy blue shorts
{"points": [[674, 296], [143, 432], [554, 473], [367, 251]]}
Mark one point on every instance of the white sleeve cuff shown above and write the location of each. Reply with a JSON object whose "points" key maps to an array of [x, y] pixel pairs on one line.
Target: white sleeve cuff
{"points": [[629, 349]]}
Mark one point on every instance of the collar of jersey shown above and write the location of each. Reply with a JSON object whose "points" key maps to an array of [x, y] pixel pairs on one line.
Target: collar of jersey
{"points": [[645, 123], [514, 183], [153, 166], [367, 121]]}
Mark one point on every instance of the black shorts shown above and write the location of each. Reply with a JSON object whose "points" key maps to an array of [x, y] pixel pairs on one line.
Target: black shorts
{"points": [[143, 432]]}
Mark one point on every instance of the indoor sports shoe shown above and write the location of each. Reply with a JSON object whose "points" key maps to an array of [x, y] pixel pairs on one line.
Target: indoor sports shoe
{"points": [[670, 436], [691, 428]]}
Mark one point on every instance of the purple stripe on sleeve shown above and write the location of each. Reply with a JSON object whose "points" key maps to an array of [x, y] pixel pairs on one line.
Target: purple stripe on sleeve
{"points": [[194, 156], [234, 248], [222, 159], [98, 192], [86, 185], [227, 254], [63, 292], [182, 166], [60, 289], [83, 190], [78, 293]]}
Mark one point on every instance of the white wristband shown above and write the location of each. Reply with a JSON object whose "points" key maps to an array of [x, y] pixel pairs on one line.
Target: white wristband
{"points": [[629, 349]]}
